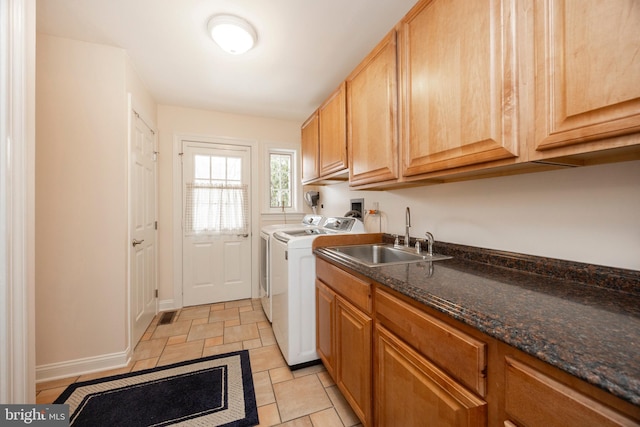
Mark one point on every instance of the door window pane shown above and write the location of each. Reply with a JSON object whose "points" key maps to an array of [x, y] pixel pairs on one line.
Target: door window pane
{"points": [[234, 169], [216, 200], [202, 167], [218, 169]]}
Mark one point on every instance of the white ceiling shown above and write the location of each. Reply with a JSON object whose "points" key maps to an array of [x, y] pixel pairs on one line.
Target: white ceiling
{"points": [[305, 48]]}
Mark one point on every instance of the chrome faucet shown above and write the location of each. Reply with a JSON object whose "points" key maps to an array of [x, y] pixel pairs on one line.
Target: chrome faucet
{"points": [[429, 243], [407, 220]]}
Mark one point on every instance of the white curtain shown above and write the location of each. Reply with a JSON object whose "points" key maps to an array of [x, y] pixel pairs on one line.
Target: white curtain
{"points": [[216, 208]]}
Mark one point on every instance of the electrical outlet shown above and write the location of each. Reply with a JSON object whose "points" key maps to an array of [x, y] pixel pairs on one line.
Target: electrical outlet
{"points": [[375, 210]]}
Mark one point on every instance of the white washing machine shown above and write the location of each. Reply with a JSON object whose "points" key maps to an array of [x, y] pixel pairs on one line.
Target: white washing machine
{"points": [[293, 273], [266, 233]]}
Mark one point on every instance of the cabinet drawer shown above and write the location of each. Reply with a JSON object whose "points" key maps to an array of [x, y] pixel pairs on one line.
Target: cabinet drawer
{"points": [[461, 355], [355, 290], [534, 399]]}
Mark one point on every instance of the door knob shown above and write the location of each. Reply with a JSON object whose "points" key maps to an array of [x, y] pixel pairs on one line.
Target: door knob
{"points": [[243, 235], [135, 242]]}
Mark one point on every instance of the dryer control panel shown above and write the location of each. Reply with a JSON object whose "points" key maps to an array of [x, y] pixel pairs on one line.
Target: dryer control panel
{"points": [[344, 225]]}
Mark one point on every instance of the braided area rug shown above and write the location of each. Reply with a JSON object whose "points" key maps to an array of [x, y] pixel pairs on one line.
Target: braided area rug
{"points": [[211, 391]]}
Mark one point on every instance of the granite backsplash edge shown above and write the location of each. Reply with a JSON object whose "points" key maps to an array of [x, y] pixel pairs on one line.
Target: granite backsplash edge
{"points": [[612, 278]]}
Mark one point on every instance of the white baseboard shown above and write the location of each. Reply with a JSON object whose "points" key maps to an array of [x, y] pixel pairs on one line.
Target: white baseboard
{"points": [[93, 364], [167, 305], [77, 367]]}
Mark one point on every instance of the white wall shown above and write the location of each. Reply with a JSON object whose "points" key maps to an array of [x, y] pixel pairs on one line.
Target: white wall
{"points": [[81, 203], [589, 214], [186, 121], [142, 101]]}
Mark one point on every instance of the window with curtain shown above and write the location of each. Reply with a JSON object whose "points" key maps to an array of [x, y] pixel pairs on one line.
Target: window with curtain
{"points": [[216, 200]]}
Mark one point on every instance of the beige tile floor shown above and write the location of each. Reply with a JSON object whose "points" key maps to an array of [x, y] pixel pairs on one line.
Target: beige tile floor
{"points": [[303, 398]]}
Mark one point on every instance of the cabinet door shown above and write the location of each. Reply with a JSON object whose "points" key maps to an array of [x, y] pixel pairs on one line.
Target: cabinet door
{"points": [[310, 146], [458, 90], [535, 399], [325, 326], [333, 133], [587, 72], [372, 116], [410, 391], [353, 353]]}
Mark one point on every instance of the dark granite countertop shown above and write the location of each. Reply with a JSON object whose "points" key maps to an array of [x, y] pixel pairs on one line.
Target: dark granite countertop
{"points": [[587, 330]]}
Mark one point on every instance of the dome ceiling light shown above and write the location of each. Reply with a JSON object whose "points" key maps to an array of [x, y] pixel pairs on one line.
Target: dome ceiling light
{"points": [[232, 33]]}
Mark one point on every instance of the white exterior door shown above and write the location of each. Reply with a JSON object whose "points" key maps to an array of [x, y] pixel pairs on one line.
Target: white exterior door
{"points": [[216, 222], [143, 251]]}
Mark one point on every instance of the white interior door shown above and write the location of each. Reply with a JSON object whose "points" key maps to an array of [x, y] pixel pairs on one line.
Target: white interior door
{"points": [[143, 251], [216, 222]]}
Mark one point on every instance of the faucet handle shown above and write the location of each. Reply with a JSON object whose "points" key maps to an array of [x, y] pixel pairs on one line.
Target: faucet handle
{"points": [[396, 242], [418, 247]]}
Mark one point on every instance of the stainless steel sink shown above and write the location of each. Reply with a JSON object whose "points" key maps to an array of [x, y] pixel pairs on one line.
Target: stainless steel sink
{"points": [[376, 255]]}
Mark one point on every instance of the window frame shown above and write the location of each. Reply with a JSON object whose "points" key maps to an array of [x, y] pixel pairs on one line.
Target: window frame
{"points": [[289, 189], [296, 186]]}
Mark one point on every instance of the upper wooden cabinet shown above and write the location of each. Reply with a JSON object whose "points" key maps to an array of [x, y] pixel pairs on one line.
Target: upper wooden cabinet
{"points": [[587, 75], [333, 133], [310, 146], [324, 139], [459, 87], [372, 103], [458, 90]]}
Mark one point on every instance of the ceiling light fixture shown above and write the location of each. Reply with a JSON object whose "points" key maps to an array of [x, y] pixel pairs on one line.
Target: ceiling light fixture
{"points": [[233, 34]]}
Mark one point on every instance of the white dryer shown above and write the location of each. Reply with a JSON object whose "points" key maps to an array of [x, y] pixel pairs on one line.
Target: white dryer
{"points": [[293, 273]]}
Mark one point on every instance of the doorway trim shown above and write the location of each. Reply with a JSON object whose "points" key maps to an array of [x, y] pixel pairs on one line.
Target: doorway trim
{"points": [[17, 193], [177, 301]]}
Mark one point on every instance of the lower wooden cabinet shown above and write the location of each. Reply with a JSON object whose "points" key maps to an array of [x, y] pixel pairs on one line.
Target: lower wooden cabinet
{"points": [[460, 355], [344, 331], [399, 363], [533, 398], [325, 326], [353, 354], [411, 391]]}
